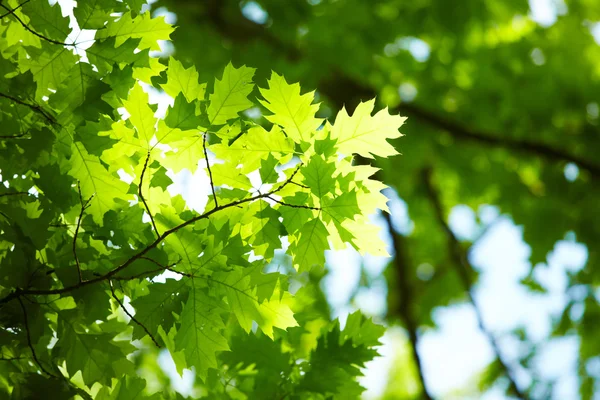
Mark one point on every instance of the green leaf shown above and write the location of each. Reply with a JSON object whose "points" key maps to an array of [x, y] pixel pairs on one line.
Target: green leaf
{"points": [[364, 134], [143, 26], [339, 355], [88, 350], [141, 115], [295, 113], [254, 146], [230, 95], [96, 181], [245, 304], [49, 66], [309, 250], [157, 308], [185, 81], [200, 336], [47, 19], [318, 176]]}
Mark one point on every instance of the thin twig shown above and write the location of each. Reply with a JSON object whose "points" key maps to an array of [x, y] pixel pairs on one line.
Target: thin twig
{"points": [[11, 12], [17, 136], [160, 268], [464, 270], [14, 194], [11, 358], [84, 206], [34, 107], [37, 361], [6, 14], [298, 184], [406, 301], [142, 196], [293, 205], [112, 291], [109, 275], [212, 184]]}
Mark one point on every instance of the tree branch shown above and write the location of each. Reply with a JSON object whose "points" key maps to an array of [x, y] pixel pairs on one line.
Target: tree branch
{"points": [[494, 139], [84, 206], [17, 136], [9, 12], [37, 361], [465, 270], [20, 292], [405, 301], [112, 291], [153, 271], [12, 12], [14, 194], [293, 205], [212, 185], [142, 196], [34, 107]]}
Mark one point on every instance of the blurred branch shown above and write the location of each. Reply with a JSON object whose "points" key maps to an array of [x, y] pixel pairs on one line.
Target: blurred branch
{"points": [[406, 300], [465, 272], [344, 90], [33, 107]]}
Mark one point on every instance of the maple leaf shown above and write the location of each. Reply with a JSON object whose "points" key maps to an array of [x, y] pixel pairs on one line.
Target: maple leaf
{"points": [[182, 80], [294, 112], [364, 134], [309, 250], [96, 182], [230, 95], [140, 114], [149, 30], [201, 336]]}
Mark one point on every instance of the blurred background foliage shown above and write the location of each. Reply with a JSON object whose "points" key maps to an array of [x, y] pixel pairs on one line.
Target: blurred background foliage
{"points": [[503, 104]]}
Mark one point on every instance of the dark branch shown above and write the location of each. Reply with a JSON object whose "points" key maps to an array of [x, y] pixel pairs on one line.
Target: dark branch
{"points": [[405, 301], [17, 136], [109, 275], [11, 12], [34, 107], [465, 271], [298, 184], [37, 361], [212, 184], [112, 291], [142, 196], [293, 205], [14, 194], [84, 206], [160, 268], [494, 139]]}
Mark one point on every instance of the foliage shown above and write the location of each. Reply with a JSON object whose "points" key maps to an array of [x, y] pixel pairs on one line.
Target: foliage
{"points": [[499, 107], [101, 266]]}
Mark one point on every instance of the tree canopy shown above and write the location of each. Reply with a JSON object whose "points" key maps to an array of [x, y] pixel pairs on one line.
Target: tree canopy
{"points": [[102, 266]]}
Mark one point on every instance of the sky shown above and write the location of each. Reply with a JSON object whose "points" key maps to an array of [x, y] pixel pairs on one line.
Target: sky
{"points": [[457, 351]]}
